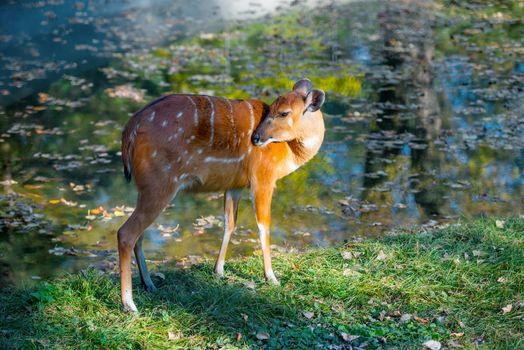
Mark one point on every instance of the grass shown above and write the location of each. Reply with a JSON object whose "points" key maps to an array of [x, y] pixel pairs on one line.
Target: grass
{"points": [[449, 285]]}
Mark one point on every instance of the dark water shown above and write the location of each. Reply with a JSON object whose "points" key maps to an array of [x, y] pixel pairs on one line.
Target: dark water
{"points": [[425, 125]]}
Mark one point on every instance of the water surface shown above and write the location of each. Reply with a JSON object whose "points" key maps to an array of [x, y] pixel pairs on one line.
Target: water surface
{"points": [[424, 116]]}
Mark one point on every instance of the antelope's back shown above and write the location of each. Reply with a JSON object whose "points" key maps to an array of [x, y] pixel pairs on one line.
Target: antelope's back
{"points": [[184, 132]]}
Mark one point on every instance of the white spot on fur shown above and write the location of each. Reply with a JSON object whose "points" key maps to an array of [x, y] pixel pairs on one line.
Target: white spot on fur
{"points": [[199, 151], [164, 123], [152, 116], [154, 154], [167, 167], [179, 114], [170, 138]]}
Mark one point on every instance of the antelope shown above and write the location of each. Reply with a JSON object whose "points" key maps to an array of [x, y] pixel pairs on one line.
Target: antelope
{"points": [[200, 143]]}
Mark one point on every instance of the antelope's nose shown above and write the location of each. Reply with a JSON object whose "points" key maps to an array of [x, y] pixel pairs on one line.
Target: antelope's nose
{"points": [[256, 139]]}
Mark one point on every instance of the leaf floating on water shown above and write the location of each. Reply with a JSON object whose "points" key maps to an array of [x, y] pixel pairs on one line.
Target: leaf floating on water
{"points": [[54, 201], [96, 211], [118, 213], [8, 182]]}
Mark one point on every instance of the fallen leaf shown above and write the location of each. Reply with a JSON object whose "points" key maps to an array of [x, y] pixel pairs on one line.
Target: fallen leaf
{"points": [[96, 211], [506, 309], [477, 253], [457, 335], [500, 223], [421, 320], [349, 337], [308, 314], [347, 255], [173, 335], [263, 336], [238, 336], [118, 213], [250, 285], [433, 345], [501, 280], [405, 317], [54, 201], [160, 275], [381, 255]]}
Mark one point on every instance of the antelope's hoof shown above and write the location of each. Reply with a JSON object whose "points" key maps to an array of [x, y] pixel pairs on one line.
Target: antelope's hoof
{"points": [[273, 280], [130, 308], [219, 273], [149, 287]]}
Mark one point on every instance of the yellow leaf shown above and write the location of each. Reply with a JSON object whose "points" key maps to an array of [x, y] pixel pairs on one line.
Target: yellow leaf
{"points": [[118, 213], [54, 201], [500, 223]]}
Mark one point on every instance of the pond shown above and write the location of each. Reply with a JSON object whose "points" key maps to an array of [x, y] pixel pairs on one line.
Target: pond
{"points": [[424, 116]]}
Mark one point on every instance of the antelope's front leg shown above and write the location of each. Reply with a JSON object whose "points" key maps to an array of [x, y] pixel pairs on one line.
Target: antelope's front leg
{"points": [[231, 198], [262, 194]]}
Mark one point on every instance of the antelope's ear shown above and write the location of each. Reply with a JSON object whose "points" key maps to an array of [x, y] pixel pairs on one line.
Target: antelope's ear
{"points": [[314, 100], [303, 87]]}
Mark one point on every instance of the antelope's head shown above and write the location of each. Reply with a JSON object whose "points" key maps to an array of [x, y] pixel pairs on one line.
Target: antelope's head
{"points": [[290, 115]]}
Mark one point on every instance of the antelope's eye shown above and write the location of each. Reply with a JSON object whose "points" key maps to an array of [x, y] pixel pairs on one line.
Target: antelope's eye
{"points": [[284, 114]]}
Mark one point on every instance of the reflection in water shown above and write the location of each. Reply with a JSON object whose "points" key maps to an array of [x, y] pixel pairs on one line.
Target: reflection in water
{"points": [[425, 140]]}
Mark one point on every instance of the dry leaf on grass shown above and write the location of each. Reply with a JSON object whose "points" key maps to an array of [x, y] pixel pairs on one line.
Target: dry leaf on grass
{"points": [[433, 345], [309, 315], [263, 336], [506, 309]]}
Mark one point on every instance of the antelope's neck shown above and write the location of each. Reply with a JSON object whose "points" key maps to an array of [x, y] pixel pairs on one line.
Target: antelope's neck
{"points": [[306, 145]]}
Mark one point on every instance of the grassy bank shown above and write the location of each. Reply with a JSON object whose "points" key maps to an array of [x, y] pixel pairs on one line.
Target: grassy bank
{"points": [[462, 286]]}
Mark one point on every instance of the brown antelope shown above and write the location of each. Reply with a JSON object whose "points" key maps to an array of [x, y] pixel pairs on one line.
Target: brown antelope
{"points": [[203, 143]]}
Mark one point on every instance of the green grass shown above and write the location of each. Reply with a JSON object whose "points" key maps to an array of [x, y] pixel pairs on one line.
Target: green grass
{"points": [[454, 280]]}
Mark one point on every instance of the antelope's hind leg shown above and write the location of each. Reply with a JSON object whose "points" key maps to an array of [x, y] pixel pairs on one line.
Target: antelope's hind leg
{"points": [[231, 199], [145, 277], [152, 200]]}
